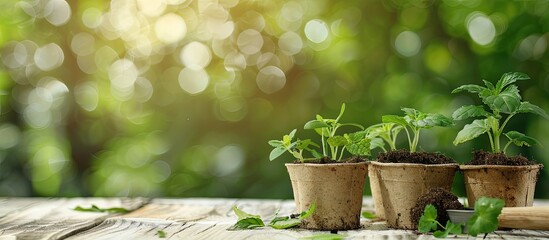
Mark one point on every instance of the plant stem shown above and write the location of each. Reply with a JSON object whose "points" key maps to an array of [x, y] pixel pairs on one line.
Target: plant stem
{"points": [[323, 143], [409, 140], [491, 140], [506, 145], [416, 140], [496, 140]]}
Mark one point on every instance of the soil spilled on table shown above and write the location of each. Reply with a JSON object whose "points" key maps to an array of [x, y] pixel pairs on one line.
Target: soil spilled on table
{"points": [[328, 160], [441, 198], [404, 156], [488, 158]]}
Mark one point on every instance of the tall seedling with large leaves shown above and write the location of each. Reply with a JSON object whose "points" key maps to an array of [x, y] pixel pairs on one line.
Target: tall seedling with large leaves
{"points": [[503, 101]]}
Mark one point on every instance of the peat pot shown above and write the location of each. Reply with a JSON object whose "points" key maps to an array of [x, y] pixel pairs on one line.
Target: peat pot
{"points": [[335, 188], [514, 184], [376, 192], [401, 184]]}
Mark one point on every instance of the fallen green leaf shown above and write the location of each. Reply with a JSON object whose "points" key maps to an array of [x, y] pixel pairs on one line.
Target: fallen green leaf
{"points": [[246, 220], [94, 208], [368, 215], [288, 222], [324, 236], [161, 234]]}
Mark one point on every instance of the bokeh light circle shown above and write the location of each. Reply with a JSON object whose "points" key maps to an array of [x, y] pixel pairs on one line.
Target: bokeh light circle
{"points": [[407, 43], [316, 31], [193, 81], [270, 79]]}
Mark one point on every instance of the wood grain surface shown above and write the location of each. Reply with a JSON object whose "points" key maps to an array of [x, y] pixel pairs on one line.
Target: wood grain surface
{"points": [[190, 218]]}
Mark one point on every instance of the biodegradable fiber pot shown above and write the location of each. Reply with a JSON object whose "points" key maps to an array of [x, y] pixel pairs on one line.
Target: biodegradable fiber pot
{"points": [[514, 184], [335, 188], [376, 192], [401, 184]]}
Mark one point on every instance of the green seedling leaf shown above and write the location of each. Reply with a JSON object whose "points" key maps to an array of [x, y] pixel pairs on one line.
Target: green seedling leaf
{"points": [[276, 143], [94, 208], [276, 152], [394, 119], [337, 141], [469, 88], [521, 139], [510, 78], [526, 107], [450, 228], [507, 101], [360, 148], [434, 120], [368, 215], [161, 234], [471, 131], [489, 85], [246, 220], [428, 221], [485, 218], [377, 143], [324, 236], [315, 124], [469, 111]]}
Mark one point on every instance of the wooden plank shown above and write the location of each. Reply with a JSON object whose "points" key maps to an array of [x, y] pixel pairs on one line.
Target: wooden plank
{"points": [[209, 219], [13, 204], [54, 218]]}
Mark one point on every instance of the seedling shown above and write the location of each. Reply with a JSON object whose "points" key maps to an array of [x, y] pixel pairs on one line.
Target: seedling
{"points": [[386, 132], [484, 220], [414, 121], [504, 102], [296, 148], [327, 128], [357, 143]]}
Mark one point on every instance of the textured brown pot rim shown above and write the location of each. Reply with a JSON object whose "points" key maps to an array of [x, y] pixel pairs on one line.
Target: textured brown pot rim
{"points": [[502, 167], [320, 165], [415, 165]]}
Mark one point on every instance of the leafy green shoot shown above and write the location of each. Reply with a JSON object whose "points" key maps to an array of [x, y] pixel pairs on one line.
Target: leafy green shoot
{"points": [[296, 148], [246, 220], [161, 234], [413, 122], [485, 218], [501, 103], [428, 222], [324, 236], [336, 144], [386, 132], [95, 208], [291, 221], [368, 215]]}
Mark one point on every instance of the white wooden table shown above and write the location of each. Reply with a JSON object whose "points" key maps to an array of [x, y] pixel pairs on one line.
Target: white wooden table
{"points": [[188, 218]]}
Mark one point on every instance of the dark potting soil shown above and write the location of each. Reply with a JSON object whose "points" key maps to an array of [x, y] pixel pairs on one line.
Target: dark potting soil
{"points": [[441, 198], [488, 158], [328, 160], [404, 156]]}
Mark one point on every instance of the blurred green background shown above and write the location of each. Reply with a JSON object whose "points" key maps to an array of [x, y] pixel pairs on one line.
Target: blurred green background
{"points": [[178, 98]]}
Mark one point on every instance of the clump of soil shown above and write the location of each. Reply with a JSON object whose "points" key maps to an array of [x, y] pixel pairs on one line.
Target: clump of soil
{"points": [[488, 158], [404, 156], [328, 160], [441, 198]]}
